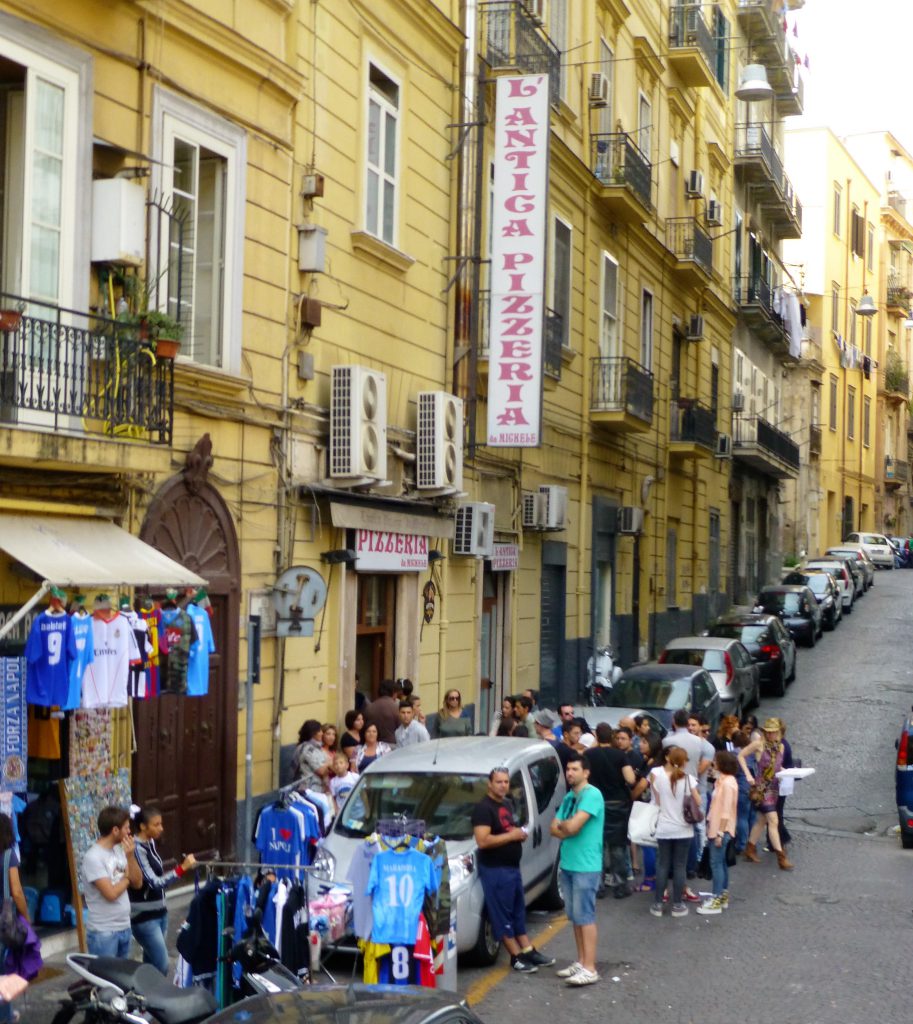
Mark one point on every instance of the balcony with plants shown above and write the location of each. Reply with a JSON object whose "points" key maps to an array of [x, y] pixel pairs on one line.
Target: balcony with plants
{"points": [[895, 379]]}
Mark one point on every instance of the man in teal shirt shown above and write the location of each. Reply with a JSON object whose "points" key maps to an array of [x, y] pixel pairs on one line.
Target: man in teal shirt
{"points": [[578, 825]]}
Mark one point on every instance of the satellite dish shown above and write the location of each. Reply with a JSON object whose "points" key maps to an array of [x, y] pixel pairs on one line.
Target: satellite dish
{"points": [[298, 597]]}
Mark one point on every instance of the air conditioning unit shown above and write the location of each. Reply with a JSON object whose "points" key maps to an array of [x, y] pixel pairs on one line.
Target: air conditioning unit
{"points": [[536, 8], [695, 186], [738, 402], [630, 519], [474, 534], [530, 504], [715, 213], [723, 446], [439, 442], [358, 424], [695, 330], [599, 90], [552, 507]]}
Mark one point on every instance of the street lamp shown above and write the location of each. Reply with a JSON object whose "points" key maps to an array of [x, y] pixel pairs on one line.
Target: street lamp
{"points": [[866, 306]]}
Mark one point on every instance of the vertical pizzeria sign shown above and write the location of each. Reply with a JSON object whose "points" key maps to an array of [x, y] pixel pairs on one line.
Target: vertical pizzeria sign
{"points": [[518, 262]]}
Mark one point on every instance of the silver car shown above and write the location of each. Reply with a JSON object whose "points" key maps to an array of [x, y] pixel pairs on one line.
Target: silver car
{"points": [[841, 576], [876, 546], [734, 673], [857, 552], [440, 782]]}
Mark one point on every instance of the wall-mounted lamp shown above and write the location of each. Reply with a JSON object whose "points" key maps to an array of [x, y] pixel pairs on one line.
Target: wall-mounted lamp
{"points": [[435, 556], [344, 556], [753, 86]]}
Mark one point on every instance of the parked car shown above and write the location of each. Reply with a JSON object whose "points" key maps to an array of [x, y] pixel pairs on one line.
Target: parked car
{"points": [[731, 668], [356, 1003], [901, 552], [659, 690], [856, 552], [768, 642], [903, 782], [797, 607], [841, 575], [821, 584], [439, 783], [876, 546]]}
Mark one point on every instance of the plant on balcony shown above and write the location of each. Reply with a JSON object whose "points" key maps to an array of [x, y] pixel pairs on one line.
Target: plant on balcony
{"points": [[896, 377], [160, 331]]}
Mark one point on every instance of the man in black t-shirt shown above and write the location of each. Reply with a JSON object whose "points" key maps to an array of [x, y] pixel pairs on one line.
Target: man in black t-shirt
{"points": [[500, 842], [613, 776]]}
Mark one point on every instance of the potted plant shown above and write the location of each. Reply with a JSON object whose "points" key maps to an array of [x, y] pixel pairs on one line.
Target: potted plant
{"points": [[164, 333], [10, 318]]}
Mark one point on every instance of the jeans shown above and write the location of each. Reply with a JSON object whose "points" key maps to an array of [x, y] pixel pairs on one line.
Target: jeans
{"points": [[109, 943], [671, 857], [697, 847], [578, 890], [648, 853], [150, 935], [743, 814], [718, 865]]}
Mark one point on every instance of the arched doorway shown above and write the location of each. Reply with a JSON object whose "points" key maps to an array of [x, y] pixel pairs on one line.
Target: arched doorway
{"points": [[186, 759]]}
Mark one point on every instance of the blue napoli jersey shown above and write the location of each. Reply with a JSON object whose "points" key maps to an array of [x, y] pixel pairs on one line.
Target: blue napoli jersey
{"points": [[280, 839], [200, 649], [81, 650], [46, 650], [398, 882]]}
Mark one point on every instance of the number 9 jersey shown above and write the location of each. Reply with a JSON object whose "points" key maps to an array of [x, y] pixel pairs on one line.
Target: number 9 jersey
{"points": [[46, 650]]}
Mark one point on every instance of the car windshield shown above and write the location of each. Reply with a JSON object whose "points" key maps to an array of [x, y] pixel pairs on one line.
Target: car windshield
{"points": [[444, 801], [777, 601], [748, 634], [873, 538], [710, 660], [646, 691], [816, 582]]}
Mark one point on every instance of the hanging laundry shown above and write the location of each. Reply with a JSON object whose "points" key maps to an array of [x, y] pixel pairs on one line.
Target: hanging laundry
{"points": [[866, 367]]}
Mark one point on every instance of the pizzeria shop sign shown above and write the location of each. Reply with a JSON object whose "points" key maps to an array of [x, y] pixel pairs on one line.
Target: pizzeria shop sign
{"points": [[381, 551]]}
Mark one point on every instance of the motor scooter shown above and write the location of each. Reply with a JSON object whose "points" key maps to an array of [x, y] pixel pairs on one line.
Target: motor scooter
{"points": [[601, 675]]}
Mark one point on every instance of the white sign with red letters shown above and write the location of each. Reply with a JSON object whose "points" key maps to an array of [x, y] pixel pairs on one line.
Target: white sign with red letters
{"points": [[380, 551], [518, 262]]}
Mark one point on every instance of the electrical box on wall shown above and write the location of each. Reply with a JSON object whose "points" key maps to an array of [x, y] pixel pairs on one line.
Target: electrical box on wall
{"points": [[118, 222], [312, 186], [312, 249]]}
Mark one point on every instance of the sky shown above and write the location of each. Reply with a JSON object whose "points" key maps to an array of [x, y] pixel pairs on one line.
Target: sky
{"points": [[859, 73]]}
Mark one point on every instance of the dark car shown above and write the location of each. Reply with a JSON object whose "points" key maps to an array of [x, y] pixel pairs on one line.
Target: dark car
{"points": [[768, 642], [903, 782], [354, 1004], [821, 584], [797, 607], [660, 690]]}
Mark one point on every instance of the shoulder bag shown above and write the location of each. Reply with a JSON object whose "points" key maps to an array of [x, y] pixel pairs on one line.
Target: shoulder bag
{"points": [[13, 930], [691, 809], [642, 823]]}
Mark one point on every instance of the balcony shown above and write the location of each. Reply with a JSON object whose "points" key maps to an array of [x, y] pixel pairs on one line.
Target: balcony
{"points": [[515, 43], [753, 297], [760, 165], [814, 441], [692, 248], [896, 473], [552, 340], [764, 448], [898, 296], [692, 430], [621, 397], [897, 210], [762, 23], [692, 48], [67, 372], [626, 177], [894, 379]]}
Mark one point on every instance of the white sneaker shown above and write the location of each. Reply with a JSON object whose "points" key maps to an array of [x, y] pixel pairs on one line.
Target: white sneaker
{"points": [[712, 906], [583, 977], [569, 972]]}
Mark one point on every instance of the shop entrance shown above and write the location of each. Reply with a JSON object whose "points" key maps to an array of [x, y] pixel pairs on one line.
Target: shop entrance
{"points": [[186, 759], [374, 632]]}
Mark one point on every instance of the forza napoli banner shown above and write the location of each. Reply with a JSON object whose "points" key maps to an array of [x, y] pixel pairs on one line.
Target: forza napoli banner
{"points": [[518, 262]]}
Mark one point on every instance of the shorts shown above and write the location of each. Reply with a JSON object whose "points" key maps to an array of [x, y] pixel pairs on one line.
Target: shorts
{"points": [[578, 890], [505, 902]]}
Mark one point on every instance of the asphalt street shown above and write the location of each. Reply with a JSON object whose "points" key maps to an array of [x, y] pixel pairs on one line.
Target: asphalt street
{"points": [[827, 942]]}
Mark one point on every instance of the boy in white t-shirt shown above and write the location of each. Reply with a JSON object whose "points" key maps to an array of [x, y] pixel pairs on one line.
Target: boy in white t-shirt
{"points": [[109, 868], [342, 781]]}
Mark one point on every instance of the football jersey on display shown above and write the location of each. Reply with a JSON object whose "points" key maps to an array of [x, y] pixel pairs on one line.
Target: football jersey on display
{"points": [[82, 653], [398, 882], [104, 684], [203, 645], [280, 838], [47, 654]]}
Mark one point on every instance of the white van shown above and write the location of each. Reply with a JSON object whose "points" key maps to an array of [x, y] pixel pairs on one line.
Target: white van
{"points": [[440, 782]]}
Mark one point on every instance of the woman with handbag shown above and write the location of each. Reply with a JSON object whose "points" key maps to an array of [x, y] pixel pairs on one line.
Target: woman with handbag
{"points": [[678, 798], [651, 750], [765, 790]]}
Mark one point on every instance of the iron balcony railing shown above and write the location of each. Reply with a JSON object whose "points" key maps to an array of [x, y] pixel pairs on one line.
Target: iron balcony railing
{"points": [[688, 241], [693, 422], [621, 385], [755, 291], [512, 38], [898, 294], [617, 160], [814, 440], [552, 340], [752, 140], [68, 371], [895, 470], [688, 28], [755, 431]]}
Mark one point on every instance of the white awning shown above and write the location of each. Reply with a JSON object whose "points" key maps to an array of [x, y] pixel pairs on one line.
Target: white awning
{"points": [[69, 551]]}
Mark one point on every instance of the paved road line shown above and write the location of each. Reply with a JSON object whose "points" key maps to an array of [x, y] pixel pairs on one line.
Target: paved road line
{"points": [[484, 985]]}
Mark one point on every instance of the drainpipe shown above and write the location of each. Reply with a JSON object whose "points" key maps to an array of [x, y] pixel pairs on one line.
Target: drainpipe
{"points": [[585, 500]]}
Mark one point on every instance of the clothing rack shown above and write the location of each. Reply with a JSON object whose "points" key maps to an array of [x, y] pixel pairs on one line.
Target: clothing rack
{"points": [[400, 825]]}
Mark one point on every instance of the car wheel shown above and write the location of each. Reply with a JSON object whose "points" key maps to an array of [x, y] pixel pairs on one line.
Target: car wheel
{"points": [[778, 687], [812, 637], [485, 951], [831, 622], [792, 675], [906, 839], [551, 898], [849, 608]]}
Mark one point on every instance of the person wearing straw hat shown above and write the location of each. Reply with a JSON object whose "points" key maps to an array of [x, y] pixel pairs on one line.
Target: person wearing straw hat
{"points": [[769, 752]]}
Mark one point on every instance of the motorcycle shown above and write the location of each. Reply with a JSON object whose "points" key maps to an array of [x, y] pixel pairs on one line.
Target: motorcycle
{"points": [[128, 992], [601, 675]]}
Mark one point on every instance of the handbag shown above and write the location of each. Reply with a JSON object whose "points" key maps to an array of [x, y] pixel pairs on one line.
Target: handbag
{"points": [[691, 809], [642, 823], [756, 793], [13, 931]]}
